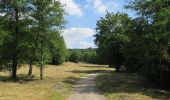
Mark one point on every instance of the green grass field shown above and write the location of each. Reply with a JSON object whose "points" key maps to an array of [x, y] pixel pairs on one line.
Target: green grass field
{"points": [[127, 86]]}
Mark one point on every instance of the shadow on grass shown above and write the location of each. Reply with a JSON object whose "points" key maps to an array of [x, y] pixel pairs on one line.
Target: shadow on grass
{"points": [[71, 80], [118, 83], [21, 78], [90, 71], [96, 66]]}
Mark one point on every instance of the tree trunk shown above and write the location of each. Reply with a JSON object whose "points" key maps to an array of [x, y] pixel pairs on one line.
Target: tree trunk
{"points": [[161, 79], [41, 67], [14, 68], [10, 73], [30, 69], [42, 59], [118, 68], [15, 45], [41, 72], [32, 57]]}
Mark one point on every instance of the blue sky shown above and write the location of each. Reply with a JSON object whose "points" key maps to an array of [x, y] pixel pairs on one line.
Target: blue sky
{"points": [[82, 17]]}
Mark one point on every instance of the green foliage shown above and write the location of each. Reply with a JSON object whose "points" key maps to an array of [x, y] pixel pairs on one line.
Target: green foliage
{"points": [[82, 55], [154, 43], [111, 37], [30, 32], [13, 22], [142, 44], [75, 57], [59, 51]]}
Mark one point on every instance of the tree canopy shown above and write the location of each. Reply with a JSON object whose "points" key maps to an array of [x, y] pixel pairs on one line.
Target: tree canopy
{"points": [[142, 44], [31, 34], [82, 55]]}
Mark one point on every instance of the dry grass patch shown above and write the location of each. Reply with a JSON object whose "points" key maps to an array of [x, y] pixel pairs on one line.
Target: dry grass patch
{"points": [[128, 86], [57, 84]]}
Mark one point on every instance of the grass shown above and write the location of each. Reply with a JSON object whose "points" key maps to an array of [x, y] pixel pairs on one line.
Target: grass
{"points": [[128, 86], [57, 84]]}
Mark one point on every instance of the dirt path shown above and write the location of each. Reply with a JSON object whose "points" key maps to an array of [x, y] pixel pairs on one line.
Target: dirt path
{"points": [[86, 90]]}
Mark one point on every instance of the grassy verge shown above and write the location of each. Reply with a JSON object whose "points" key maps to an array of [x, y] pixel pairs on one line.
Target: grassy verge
{"points": [[57, 84], [127, 86]]}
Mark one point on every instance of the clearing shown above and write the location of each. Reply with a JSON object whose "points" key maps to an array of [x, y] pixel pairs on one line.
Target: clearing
{"points": [[57, 84], [72, 81]]}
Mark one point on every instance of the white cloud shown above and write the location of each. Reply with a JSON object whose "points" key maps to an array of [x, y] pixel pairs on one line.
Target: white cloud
{"points": [[98, 6], [85, 44], [112, 5], [76, 37], [71, 7], [101, 7]]}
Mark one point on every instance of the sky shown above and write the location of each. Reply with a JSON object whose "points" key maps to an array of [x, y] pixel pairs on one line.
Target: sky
{"points": [[82, 16]]}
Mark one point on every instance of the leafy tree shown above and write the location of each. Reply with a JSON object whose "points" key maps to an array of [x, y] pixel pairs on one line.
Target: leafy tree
{"points": [[111, 37], [47, 14], [134, 49], [89, 56], [142, 43], [59, 51], [13, 23], [153, 45], [82, 55], [30, 33], [75, 56]]}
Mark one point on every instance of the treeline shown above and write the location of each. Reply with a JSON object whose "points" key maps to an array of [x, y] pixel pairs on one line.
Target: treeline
{"points": [[30, 34], [142, 44], [82, 55]]}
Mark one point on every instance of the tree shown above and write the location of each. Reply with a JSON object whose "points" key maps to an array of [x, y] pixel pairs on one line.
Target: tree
{"points": [[14, 24], [58, 51], [82, 55], [75, 56], [47, 14], [30, 33], [111, 37], [134, 49], [154, 42]]}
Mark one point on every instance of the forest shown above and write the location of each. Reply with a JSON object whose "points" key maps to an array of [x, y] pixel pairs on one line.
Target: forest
{"points": [[31, 35], [141, 44], [82, 55]]}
